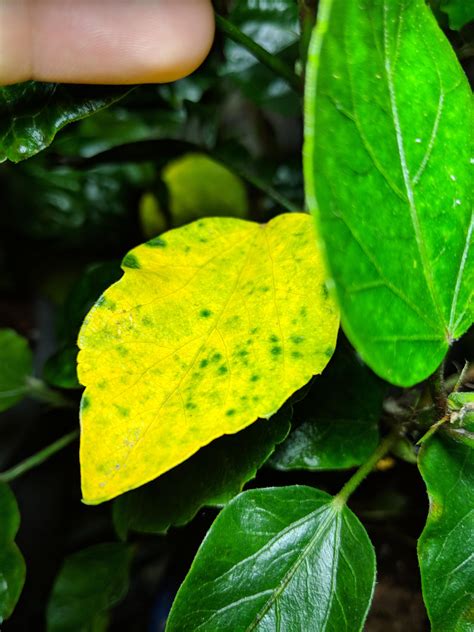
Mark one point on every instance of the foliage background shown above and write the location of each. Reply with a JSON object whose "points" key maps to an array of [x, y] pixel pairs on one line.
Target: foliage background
{"points": [[68, 215]]}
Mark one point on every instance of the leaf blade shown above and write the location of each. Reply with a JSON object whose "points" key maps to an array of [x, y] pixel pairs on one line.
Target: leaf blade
{"points": [[12, 564], [16, 365], [32, 113], [390, 144], [444, 550], [208, 333], [90, 582], [273, 558]]}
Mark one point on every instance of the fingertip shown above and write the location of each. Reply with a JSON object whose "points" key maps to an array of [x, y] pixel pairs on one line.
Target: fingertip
{"points": [[111, 42]]}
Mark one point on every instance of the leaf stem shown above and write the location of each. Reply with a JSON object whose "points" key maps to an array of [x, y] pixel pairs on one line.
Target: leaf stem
{"points": [[38, 458], [307, 11], [254, 180], [364, 470], [432, 429], [272, 62]]}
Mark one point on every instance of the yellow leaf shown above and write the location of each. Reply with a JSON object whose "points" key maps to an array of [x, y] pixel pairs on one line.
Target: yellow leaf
{"points": [[196, 183], [212, 326]]}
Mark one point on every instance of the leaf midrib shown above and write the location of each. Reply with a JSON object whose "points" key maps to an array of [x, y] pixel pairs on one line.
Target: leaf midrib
{"points": [[427, 272], [322, 528]]}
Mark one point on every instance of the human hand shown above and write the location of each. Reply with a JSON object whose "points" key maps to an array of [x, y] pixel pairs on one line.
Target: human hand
{"points": [[103, 41]]}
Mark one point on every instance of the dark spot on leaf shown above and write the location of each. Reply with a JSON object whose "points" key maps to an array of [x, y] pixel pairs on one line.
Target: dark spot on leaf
{"points": [[122, 351], [122, 410], [255, 377], [230, 412], [203, 364], [147, 321], [303, 312], [329, 351], [222, 370], [325, 291], [276, 350], [254, 330], [216, 357], [106, 303], [190, 406], [297, 339], [205, 313], [85, 403], [130, 261], [296, 354], [274, 338], [264, 288], [157, 242]]}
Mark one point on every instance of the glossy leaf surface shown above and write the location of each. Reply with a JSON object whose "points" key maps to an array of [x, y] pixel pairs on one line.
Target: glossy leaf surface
{"points": [[336, 425], [12, 565], [32, 113], [211, 477], [445, 548], [389, 176], [283, 558], [73, 208], [88, 585], [212, 326], [16, 364]]}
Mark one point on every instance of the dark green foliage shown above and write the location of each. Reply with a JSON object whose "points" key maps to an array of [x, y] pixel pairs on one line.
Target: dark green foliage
{"points": [[88, 585], [210, 478]]}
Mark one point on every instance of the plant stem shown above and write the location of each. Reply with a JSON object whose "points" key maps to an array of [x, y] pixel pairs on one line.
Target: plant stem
{"points": [[38, 390], [364, 470], [263, 56], [38, 458], [432, 429], [438, 389]]}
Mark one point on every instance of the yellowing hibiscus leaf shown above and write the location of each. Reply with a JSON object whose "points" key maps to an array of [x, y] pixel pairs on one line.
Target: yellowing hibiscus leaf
{"points": [[212, 326]]}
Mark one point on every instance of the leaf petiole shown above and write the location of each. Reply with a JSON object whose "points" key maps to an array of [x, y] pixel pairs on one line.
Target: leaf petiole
{"points": [[364, 470], [38, 458], [263, 56]]}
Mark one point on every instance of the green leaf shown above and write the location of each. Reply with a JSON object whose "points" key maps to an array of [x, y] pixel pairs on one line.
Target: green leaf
{"points": [[32, 113], [90, 583], [197, 185], [211, 477], [285, 558], [388, 173], [60, 368], [460, 12], [12, 565], [274, 25], [336, 425], [213, 326], [445, 547], [16, 365]]}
